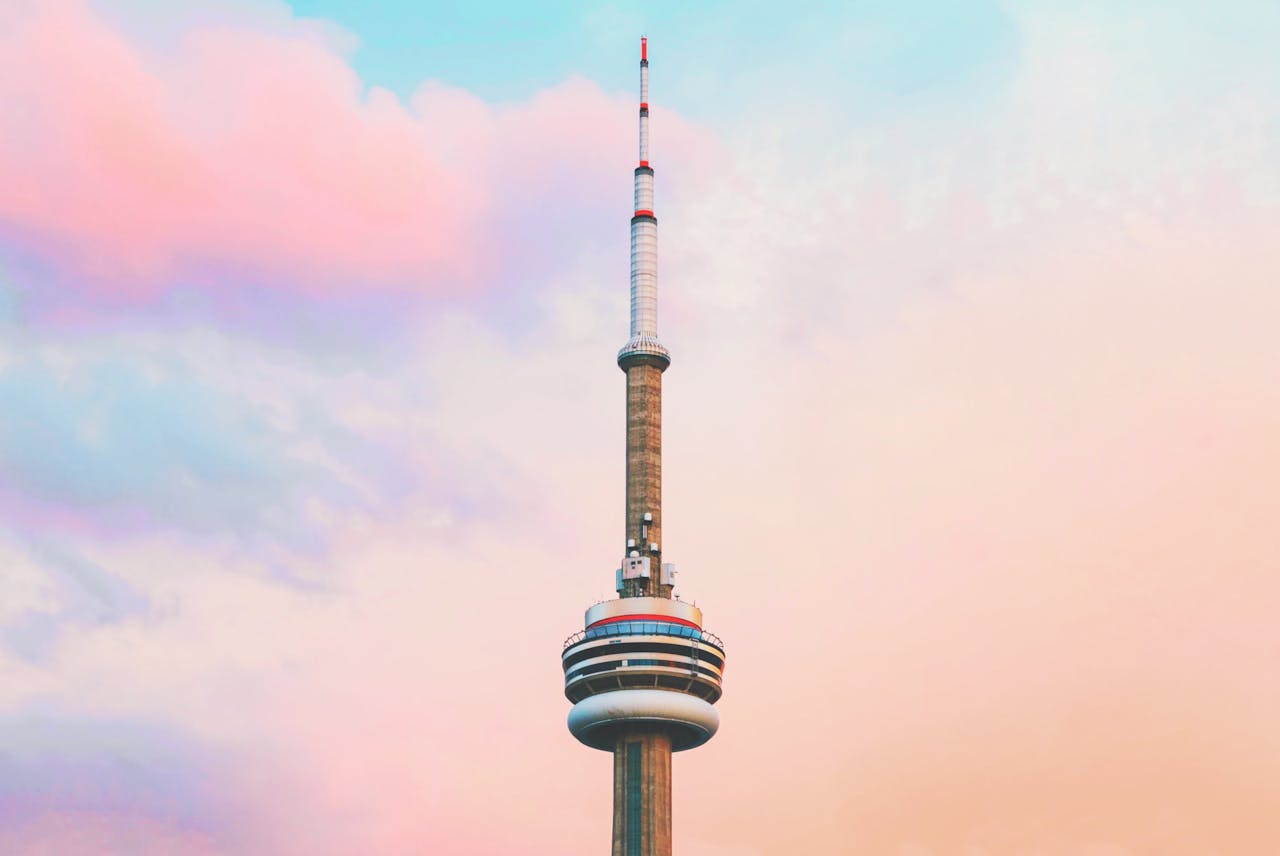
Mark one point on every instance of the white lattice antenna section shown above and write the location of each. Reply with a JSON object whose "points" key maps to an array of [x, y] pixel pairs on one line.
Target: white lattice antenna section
{"points": [[644, 240]]}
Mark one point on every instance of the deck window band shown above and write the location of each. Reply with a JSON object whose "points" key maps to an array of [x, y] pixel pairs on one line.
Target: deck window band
{"points": [[639, 648], [649, 628], [617, 664]]}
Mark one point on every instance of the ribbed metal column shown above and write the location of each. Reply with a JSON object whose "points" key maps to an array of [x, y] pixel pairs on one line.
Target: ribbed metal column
{"points": [[644, 263]]}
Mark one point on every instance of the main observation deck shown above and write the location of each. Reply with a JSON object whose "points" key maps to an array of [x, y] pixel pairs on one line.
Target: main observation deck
{"points": [[643, 658]]}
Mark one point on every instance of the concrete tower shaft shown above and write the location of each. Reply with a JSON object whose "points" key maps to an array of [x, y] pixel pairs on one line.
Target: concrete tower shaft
{"points": [[644, 485], [642, 794]]}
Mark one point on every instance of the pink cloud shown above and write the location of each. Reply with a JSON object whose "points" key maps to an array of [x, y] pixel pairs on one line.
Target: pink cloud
{"points": [[263, 154], [88, 833]]}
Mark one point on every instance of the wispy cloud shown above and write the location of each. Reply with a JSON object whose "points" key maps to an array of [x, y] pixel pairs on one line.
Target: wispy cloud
{"points": [[82, 785], [137, 443], [970, 440]]}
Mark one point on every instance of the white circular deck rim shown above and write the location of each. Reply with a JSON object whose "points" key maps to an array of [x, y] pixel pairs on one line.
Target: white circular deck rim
{"points": [[692, 721]]}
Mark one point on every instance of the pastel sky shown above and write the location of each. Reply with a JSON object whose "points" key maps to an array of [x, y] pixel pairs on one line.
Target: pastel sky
{"points": [[311, 436]]}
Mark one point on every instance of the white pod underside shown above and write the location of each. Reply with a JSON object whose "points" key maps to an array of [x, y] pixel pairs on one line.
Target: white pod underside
{"points": [[598, 719]]}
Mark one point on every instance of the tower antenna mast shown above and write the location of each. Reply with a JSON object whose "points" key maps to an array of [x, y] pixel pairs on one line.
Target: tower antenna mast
{"points": [[643, 674]]}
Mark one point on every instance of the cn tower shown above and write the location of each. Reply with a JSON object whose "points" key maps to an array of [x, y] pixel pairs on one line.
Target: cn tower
{"points": [[643, 674]]}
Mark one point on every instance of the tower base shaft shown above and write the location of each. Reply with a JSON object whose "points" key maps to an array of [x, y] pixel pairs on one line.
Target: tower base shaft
{"points": [[642, 794]]}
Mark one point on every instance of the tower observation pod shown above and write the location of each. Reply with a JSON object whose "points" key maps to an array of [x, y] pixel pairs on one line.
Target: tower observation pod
{"points": [[643, 674]]}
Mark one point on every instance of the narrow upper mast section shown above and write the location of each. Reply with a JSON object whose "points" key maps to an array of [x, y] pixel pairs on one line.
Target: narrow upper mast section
{"points": [[644, 341], [644, 101]]}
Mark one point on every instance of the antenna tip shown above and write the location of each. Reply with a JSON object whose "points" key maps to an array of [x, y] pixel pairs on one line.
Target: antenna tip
{"points": [[644, 47]]}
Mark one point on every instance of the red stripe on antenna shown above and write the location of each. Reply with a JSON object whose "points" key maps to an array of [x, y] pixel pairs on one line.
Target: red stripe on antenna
{"points": [[644, 48]]}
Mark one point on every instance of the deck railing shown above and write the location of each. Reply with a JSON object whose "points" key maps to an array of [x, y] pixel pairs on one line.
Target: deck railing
{"points": [[645, 628]]}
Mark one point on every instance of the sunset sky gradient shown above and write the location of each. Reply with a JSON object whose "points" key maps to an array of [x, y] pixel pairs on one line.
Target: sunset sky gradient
{"points": [[311, 441]]}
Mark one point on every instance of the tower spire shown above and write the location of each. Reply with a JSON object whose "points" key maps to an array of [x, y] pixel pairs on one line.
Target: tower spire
{"points": [[644, 244], [643, 674]]}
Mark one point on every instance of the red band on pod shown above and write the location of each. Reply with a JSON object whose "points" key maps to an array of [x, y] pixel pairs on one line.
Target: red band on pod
{"points": [[669, 619]]}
